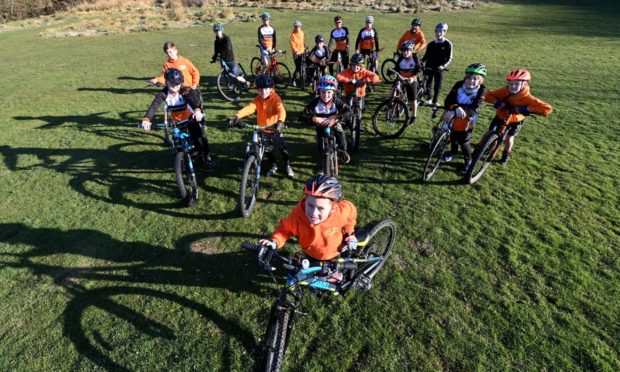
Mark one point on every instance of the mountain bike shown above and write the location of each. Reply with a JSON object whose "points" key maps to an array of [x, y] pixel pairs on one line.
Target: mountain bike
{"points": [[278, 71], [329, 153], [489, 147], [440, 140], [232, 86], [392, 116], [250, 179], [184, 164], [388, 67], [356, 267], [371, 64], [355, 123]]}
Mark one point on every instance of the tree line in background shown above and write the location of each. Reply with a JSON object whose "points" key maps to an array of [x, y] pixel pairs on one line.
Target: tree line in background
{"points": [[21, 9]]}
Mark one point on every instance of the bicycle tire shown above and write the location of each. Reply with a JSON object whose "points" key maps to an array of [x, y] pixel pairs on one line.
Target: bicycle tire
{"points": [[276, 339], [482, 158], [248, 190], [281, 75], [434, 158], [302, 76], [382, 236], [185, 180], [229, 94], [356, 128], [386, 66], [256, 67], [390, 118]]}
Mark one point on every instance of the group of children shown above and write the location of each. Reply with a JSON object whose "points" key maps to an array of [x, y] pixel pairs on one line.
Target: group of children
{"points": [[323, 221]]}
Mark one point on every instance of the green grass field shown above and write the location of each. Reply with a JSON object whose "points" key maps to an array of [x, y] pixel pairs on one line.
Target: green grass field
{"points": [[102, 267]]}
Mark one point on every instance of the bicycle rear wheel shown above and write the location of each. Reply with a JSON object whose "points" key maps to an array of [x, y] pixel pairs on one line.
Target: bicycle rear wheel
{"points": [[248, 191], [386, 66], [382, 236], [482, 158], [276, 339], [390, 118], [229, 92], [186, 179], [432, 164], [256, 66], [281, 75]]}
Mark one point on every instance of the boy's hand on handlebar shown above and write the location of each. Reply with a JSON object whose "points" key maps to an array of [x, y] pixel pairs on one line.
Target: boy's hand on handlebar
{"points": [[146, 125], [500, 105], [198, 115], [268, 243], [280, 126], [460, 113], [351, 241]]}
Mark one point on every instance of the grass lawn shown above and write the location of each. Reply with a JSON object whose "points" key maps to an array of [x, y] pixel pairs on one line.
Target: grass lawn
{"points": [[102, 267]]}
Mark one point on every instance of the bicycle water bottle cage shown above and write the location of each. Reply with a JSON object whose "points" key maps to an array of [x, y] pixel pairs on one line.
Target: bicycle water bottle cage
{"points": [[328, 131]]}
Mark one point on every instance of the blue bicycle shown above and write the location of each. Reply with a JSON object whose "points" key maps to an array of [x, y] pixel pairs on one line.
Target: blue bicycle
{"points": [[353, 269]]}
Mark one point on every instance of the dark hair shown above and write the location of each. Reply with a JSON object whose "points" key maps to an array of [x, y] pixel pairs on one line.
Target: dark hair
{"points": [[168, 45]]}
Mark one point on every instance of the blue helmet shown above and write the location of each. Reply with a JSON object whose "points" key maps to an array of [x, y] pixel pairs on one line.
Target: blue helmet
{"points": [[263, 81], [264, 16], [327, 82], [443, 26], [218, 27]]}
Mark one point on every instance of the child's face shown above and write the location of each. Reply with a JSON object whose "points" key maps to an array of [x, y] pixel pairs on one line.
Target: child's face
{"points": [[407, 53], [172, 53], [440, 34], [219, 34], [473, 81], [515, 86], [356, 68], [326, 95], [320, 44], [318, 209], [338, 24], [173, 88], [264, 92]]}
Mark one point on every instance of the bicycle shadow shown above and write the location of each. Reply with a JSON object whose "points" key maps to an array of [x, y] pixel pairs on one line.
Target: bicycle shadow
{"points": [[130, 268]]}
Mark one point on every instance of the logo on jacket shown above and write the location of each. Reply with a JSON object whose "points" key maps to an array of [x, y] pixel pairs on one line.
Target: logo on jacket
{"points": [[331, 231]]}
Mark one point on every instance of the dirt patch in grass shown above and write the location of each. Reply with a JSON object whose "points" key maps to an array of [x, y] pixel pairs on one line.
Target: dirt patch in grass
{"points": [[206, 246]]}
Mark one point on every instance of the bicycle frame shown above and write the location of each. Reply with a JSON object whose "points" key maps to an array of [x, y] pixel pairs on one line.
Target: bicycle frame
{"points": [[256, 146]]}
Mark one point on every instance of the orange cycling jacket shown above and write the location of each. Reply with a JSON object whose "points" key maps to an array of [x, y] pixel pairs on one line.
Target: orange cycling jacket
{"points": [[418, 39], [522, 98], [191, 76], [323, 241], [298, 46], [363, 75], [268, 111]]}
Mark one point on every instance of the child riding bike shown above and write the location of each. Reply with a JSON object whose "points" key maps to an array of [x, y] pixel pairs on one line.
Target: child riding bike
{"points": [[327, 110], [414, 34], [266, 38], [436, 59], [340, 37], [408, 66], [298, 48], [356, 76], [191, 75], [269, 111], [322, 221], [515, 100], [183, 103], [367, 40], [223, 49], [318, 56], [463, 104]]}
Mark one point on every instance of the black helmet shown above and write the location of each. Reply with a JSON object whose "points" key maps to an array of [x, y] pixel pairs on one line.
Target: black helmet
{"points": [[319, 38], [357, 59], [173, 76], [416, 22], [263, 81], [322, 186]]}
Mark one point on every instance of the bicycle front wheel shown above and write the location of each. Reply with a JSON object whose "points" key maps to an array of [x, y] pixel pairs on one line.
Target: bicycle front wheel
{"points": [[186, 177], [248, 191], [482, 158], [356, 128], [382, 236], [281, 75], [276, 338], [256, 66], [435, 156], [386, 74], [390, 118], [230, 92]]}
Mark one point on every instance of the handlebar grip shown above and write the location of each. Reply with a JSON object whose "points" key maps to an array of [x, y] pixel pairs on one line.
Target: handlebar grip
{"points": [[348, 265], [250, 246]]}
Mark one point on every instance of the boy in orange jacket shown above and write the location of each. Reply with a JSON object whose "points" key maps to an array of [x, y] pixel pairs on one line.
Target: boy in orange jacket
{"points": [[514, 99], [298, 48], [269, 111], [191, 75], [322, 221]]}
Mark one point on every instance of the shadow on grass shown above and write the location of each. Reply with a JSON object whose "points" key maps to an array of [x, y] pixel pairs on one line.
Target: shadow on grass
{"points": [[130, 266]]}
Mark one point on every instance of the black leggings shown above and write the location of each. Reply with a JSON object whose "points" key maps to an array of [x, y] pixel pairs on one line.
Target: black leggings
{"points": [[463, 139], [277, 139], [199, 139], [344, 58], [437, 76]]}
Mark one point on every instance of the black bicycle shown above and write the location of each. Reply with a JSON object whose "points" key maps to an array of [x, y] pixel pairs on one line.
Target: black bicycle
{"points": [[329, 153], [388, 67], [355, 123], [439, 142], [250, 179], [232, 86], [489, 147], [392, 116], [354, 269]]}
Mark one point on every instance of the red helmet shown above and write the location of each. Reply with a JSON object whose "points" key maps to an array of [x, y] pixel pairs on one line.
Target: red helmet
{"points": [[519, 74], [322, 186]]}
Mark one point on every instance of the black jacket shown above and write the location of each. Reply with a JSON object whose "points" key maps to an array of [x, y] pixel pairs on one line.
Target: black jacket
{"points": [[472, 109], [223, 49]]}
